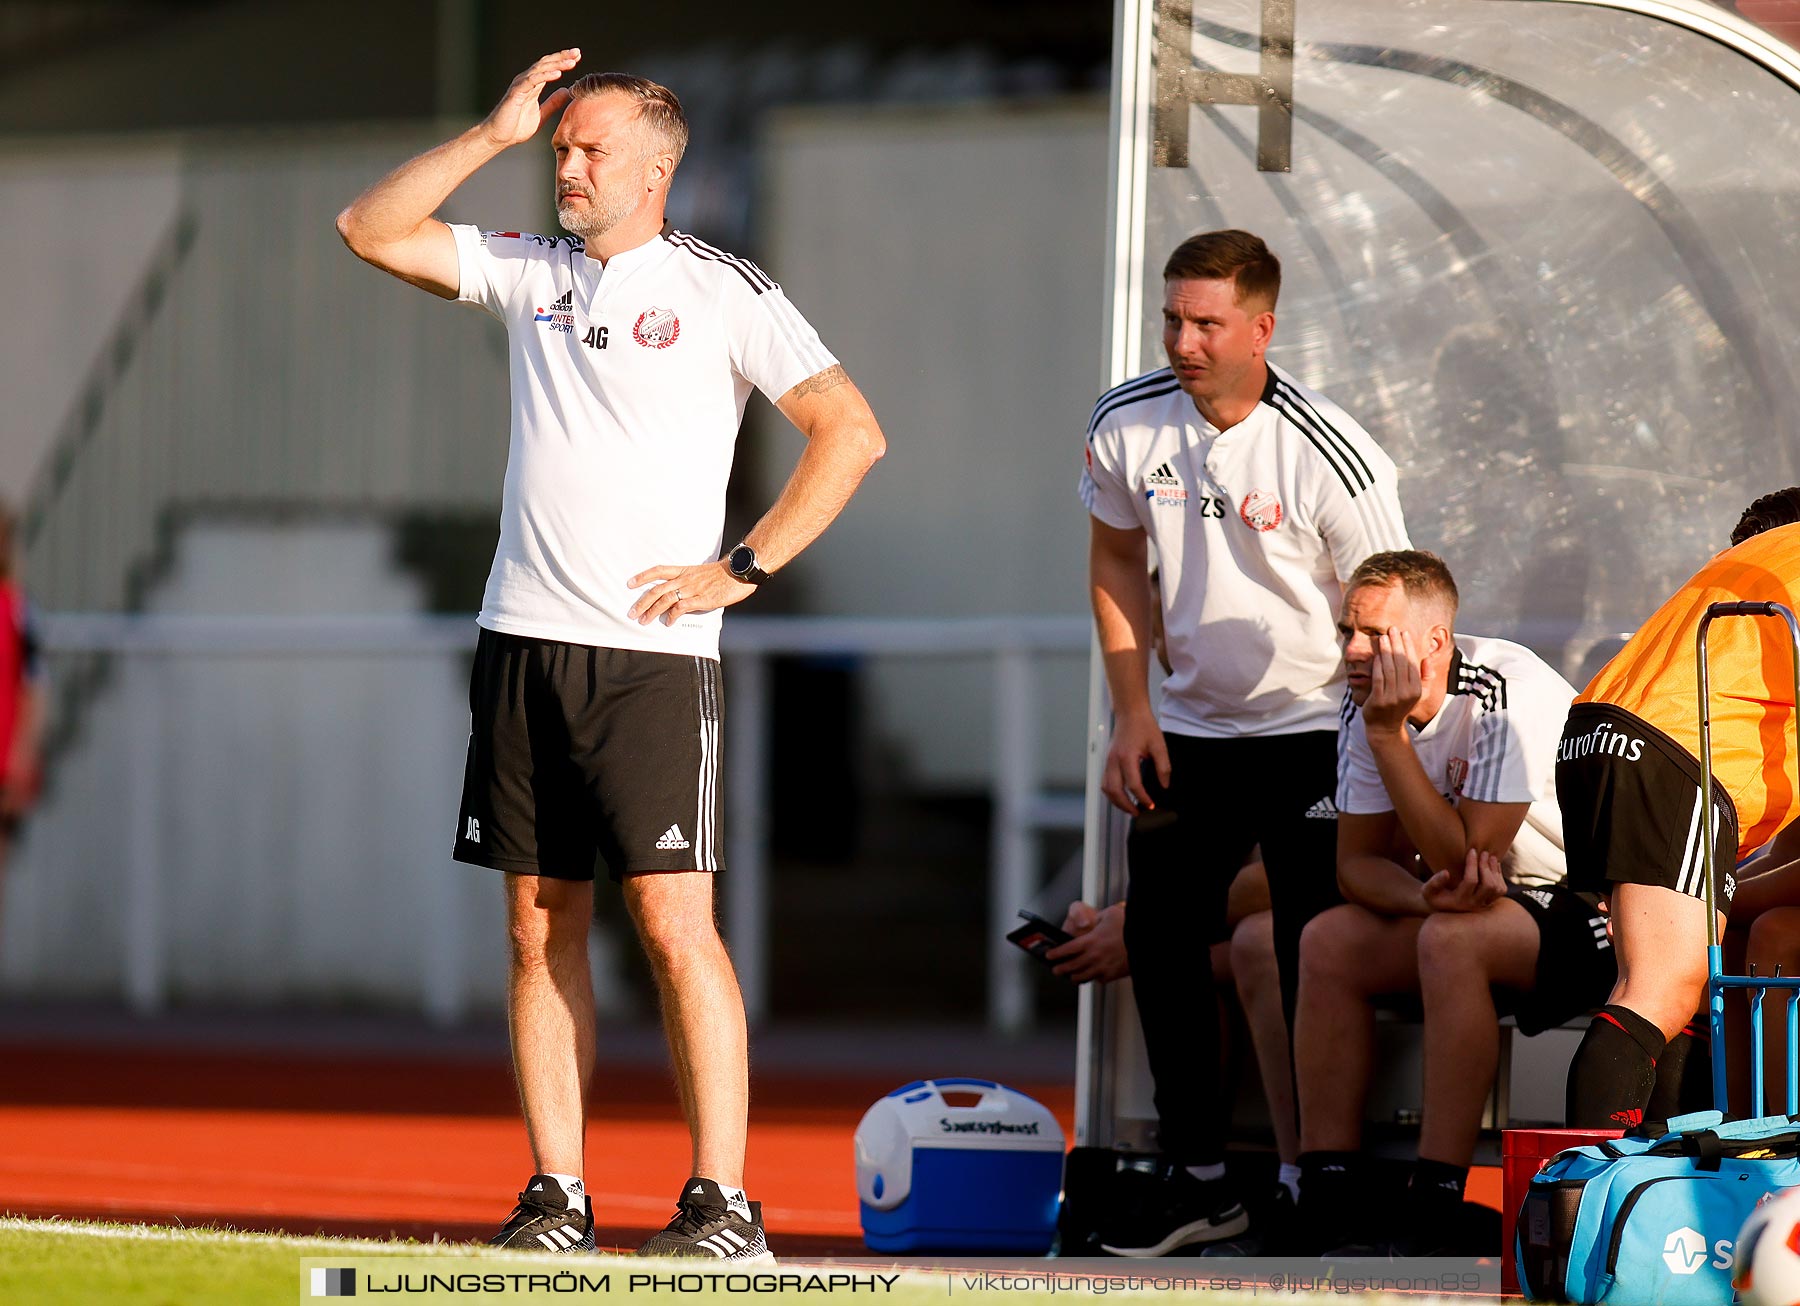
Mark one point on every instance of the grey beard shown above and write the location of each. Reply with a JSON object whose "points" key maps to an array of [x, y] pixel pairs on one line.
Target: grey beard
{"points": [[596, 220]]}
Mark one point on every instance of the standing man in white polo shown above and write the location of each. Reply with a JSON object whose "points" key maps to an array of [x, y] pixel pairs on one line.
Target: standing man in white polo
{"points": [[1260, 497], [596, 694]]}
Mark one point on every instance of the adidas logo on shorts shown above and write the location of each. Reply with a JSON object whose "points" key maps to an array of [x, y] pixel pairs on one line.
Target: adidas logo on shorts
{"points": [[1323, 810], [671, 839]]}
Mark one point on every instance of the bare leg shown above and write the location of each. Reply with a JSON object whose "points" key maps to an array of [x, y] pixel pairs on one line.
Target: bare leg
{"points": [[1462, 955], [1259, 990], [703, 1014], [550, 1013], [1348, 955], [1660, 938], [1659, 942]]}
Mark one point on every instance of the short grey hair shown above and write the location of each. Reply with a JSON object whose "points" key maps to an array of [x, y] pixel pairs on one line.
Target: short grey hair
{"points": [[659, 108]]}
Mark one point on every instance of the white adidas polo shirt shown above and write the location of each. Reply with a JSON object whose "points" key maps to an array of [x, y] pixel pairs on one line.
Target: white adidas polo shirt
{"points": [[629, 381], [1255, 530], [1494, 739]]}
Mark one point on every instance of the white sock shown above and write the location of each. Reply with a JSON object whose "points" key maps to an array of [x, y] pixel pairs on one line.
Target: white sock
{"points": [[735, 1201], [1290, 1180], [571, 1185], [1207, 1173]]}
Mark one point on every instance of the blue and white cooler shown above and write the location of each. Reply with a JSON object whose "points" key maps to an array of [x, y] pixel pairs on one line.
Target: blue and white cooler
{"points": [[959, 1165]]}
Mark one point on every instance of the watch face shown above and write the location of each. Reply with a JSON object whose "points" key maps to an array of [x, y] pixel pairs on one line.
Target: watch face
{"points": [[742, 559]]}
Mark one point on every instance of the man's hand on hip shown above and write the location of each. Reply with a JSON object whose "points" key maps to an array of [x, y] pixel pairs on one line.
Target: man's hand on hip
{"points": [[518, 117], [677, 591], [1134, 741]]}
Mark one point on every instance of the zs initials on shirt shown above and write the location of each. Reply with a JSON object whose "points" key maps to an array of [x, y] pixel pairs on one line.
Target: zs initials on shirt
{"points": [[1254, 529]]}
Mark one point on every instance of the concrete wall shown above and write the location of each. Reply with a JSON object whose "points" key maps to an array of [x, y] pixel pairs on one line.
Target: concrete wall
{"points": [[953, 260], [258, 829]]}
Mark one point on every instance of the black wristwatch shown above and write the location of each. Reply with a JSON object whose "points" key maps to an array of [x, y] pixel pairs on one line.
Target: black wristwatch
{"points": [[742, 563]]}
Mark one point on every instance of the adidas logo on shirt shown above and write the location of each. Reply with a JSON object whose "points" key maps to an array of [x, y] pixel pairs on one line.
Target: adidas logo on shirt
{"points": [[1323, 810], [1163, 488], [560, 316], [671, 839]]}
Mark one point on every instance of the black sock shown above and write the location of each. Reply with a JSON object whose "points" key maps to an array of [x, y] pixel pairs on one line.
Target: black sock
{"points": [[1331, 1187], [1614, 1071], [1683, 1074], [1436, 1187]]}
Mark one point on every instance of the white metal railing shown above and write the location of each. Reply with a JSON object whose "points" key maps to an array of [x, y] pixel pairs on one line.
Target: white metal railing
{"points": [[1022, 808]]}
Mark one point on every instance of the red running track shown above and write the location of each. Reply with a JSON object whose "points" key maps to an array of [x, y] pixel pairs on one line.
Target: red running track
{"points": [[396, 1147], [406, 1146]]}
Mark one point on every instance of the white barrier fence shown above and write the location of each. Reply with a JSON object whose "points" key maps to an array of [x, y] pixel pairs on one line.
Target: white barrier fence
{"points": [[1023, 809]]}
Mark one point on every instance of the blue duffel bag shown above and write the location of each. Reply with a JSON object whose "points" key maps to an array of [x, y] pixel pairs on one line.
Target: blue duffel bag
{"points": [[1651, 1221]]}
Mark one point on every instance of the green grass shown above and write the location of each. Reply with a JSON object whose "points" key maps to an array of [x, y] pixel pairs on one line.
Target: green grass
{"points": [[67, 1263]]}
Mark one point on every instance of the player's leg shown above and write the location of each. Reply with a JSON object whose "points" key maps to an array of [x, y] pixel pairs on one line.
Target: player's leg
{"points": [[702, 1012], [1348, 957], [1659, 938], [703, 1019], [518, 811], [1296, 824], [653, 724], [1463, 958], [1182, 857], [1632, 830], [550, 1013], [1259, 991], [1258, 986]]}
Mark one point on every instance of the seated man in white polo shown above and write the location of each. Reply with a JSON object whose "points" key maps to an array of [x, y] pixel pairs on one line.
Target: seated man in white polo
{"points": [[1450, 858]]}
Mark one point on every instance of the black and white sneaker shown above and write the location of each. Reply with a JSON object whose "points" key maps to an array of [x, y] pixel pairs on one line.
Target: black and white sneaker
{"points": [[707, 1223], [549, 1219], [1183, 1212], [1270, 1233]]}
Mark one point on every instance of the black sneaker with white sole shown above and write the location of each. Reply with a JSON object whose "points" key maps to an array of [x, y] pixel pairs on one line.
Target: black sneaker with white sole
{"points": [[549, 1219], [707, 1223], [1271, 1230], [1184, 1212]]}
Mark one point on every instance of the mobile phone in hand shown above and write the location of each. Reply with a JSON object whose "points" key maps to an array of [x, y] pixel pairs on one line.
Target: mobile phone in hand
{"points": [[1038, 936]]}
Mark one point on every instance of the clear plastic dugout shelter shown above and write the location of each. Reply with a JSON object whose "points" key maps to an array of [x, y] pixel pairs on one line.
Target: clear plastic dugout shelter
{"points": [[1546, 251]]}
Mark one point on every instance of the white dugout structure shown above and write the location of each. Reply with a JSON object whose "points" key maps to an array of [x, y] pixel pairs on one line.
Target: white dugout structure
{"points": [[1544, 250]]}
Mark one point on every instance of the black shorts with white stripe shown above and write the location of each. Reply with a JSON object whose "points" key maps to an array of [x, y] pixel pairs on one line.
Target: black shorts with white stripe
{"points": [[1630, 799], [580, 754], [1576, 968]]}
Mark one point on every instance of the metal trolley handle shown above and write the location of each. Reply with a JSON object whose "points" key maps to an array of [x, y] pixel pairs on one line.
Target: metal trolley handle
{"points": [[1717, 981]]}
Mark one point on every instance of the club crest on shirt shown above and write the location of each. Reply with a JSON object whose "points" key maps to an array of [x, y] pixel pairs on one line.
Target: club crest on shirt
{"points": [[1456, 774], [1261, 510], [657, 328]]}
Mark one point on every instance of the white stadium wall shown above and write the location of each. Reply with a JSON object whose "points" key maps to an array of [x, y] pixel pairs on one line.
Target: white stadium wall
{"points": [[954, 260], [252, 828]]}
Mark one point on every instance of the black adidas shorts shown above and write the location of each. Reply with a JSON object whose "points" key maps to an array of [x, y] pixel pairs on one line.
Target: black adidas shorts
{"points": [[578, 753], [1630, 806], [1576, 968]]}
